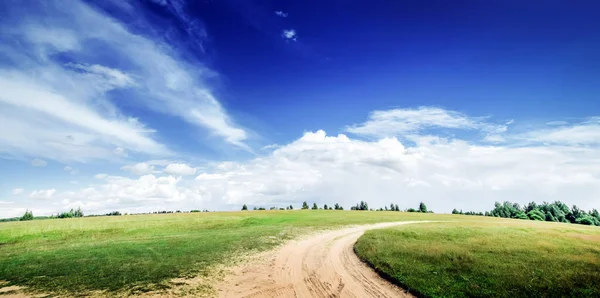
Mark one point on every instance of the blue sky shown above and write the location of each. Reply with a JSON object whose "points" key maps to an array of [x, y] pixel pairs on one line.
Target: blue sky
{"points": [[164, 104]]}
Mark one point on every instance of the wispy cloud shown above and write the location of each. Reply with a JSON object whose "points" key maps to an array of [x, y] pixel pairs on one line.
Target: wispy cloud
{"points": [[56, 101], [38, 162], [401, 122], [289, 34], [17, 191], [42, 194], [280, 13]]}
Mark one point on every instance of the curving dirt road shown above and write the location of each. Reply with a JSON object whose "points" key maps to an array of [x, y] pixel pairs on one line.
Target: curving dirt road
{"points": [[322, 265]]}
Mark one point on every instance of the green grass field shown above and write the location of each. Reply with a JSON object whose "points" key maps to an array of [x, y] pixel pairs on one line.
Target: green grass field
{"points": [[513, 258], [142, 252]]}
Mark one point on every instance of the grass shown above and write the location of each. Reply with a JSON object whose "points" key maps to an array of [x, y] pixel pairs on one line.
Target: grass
{"points": [[143, 252], [487, 259]]}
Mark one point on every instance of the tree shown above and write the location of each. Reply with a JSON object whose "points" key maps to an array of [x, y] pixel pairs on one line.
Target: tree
{"points": [[330, 208], [411, 210], [304, 205], [315, 207], [27, 216], [77, 213], [454, 211], [396, 208], [325, 207], [392, 208], [422, 207], [244, 208], [291, 207]]}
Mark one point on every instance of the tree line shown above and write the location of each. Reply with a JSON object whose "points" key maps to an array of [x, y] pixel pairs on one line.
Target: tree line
{"points": [[556, 212]]}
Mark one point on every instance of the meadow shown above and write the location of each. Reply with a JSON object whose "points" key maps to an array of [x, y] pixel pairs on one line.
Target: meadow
{"points": [[486, 258], [138, 253]]}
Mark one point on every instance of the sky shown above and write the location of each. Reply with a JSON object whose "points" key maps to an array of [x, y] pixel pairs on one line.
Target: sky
{"points": [[148, 105]]}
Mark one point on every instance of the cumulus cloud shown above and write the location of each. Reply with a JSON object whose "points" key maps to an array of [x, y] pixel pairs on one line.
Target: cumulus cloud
{"points": [[38, 162], [289, 34], [17, 191], [444, 172], [179, 169], [42, 194], [280, 13]]}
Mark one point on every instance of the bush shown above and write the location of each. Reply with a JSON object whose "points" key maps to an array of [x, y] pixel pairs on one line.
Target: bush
{"points": [[521, 215], [585, 221], [536, 215], [27, 216]]}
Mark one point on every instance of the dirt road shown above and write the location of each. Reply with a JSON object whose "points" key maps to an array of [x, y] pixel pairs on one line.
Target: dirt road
{"points": [[322, 265]]}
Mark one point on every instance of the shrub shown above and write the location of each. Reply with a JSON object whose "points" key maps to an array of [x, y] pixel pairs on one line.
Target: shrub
{"points": [[536, 215], [521, 215], [586, 220]]}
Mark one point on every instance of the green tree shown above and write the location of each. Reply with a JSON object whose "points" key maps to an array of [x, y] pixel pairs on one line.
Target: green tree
{"points": [[291, 207], [304, 205], [325, 207], [244, 208], [396, 208], [422, 207], [315, 207], [336, 206], [27, 216]]}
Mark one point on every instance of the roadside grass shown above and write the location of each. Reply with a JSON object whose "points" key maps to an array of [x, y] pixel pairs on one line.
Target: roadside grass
{"points": [[138, 253], [487, 259]]}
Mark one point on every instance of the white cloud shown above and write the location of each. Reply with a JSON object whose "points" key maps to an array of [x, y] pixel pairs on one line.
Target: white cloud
{"points": [[179, 169], [557, 123], [586, 133], [280, 13], [38, 162], [42, 194], [55, 101], [68, 168], [445, 173], [289, 34], [139, 169], [108, 78], [101, 176], [399, 122], [17, 191], [494, 139]]}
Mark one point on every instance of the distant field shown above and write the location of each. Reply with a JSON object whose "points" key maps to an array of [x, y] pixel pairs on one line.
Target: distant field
{"points": [[488, 259], [138, 253]]}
